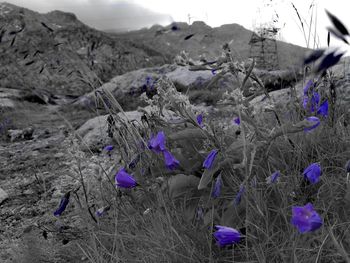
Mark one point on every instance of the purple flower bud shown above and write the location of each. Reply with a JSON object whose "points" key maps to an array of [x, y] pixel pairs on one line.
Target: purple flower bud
{"points": [[217, 187], [157, 144], [124, 180], [135, 161], [239, 195], [101, 211], [305, 218], [273, 177], [108, 148], [170, 160], [313, 173], [312, 119], [226, 235], [237, 121], [323, 109], [63, 204], [210, 159], [213, 71], [200, 119]]}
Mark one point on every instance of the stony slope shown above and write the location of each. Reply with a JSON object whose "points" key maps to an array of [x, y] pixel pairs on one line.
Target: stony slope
{"points": [[58, 53], [208, 41]]}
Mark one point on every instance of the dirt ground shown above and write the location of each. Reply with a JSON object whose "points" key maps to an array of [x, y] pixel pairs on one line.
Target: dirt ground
{"points": [[35, 173]]}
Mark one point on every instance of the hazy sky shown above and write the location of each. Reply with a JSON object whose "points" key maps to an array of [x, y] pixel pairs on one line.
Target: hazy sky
{"points": [[109, 14]]}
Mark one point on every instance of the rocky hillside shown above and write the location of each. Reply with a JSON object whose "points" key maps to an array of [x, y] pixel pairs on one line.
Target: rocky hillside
{"points": [[200, 39], [57, 53]]}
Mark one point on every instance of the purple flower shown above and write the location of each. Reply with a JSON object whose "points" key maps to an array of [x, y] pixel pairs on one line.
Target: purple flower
{"points": [[124, 180], [210, 159], [200, 119], [217, 187], [273, 177], [101, 211], [157, 144], [63, 204], [311, 104], [213, 71], [237, 121], [307, 87], [305, 218], [313, 173], [170, 160], [226, 235], [108, 148], [312, 119], [323, 109], [239, 195]]}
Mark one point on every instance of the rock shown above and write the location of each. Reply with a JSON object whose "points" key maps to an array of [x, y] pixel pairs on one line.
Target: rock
{"points": [[278, 79], [3, 196], [127, 88], [28, 133], [185, 77], [94, 132], [17, 135]]}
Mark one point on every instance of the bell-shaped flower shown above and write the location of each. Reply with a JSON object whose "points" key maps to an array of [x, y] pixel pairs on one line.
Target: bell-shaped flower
{"points": [[200, 119], [311, 98], [217, 187], [273, 177], [157, 143], [208, 162], [323, 109], [170, 160], [124, 180], [226, 235], [305, 218], [63, 204], [314, 120], [237, 121], [313, 173]]}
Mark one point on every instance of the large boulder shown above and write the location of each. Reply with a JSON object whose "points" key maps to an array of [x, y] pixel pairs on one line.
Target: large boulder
{"points": [[94, 132], [128, 87]]}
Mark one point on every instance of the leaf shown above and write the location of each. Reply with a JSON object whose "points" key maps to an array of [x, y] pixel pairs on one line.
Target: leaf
{"points": [[337, 35], [347, 194], [316, 54], [186, 134], [180, 184], [210, 216], [328, 61], [337, 23], [208, 173], [233, 216]]}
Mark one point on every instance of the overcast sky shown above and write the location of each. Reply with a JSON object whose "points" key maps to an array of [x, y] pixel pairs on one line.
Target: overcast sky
{"points": [[134, 14]]}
